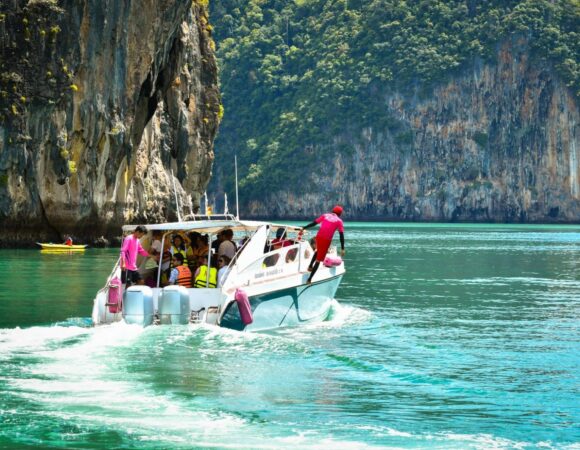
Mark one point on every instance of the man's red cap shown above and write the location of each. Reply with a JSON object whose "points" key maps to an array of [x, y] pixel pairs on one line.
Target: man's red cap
{"points": [[337, 210]]}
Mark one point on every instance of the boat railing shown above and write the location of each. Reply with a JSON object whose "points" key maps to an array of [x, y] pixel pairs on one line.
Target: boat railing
{"points": [[112, 275], [198, 217], [274, 264]]}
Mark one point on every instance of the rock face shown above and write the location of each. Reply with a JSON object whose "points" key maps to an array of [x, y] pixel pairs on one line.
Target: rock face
{"points": [[500, 143], [100, 103]]}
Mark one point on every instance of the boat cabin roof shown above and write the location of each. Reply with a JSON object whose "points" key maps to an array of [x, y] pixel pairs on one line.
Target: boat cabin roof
{"points": [[209, 226]]}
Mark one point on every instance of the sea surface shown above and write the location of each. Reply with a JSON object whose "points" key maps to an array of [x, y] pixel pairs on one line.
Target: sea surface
{"points": [[442, 336]]}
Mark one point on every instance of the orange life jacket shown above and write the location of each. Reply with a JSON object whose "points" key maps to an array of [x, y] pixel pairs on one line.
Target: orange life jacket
{"points": [[183, 276]]}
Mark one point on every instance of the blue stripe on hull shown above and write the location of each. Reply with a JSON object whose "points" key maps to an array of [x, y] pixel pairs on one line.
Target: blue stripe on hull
{"points": [[287, 307]]}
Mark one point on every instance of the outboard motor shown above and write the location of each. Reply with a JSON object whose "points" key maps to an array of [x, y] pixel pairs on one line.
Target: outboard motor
{"points": [[174, 306], [138, 305]]}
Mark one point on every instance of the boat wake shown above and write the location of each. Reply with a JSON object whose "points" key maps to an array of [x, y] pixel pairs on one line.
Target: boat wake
{"points": [[347, 315], [176, 385], [68, 386]]}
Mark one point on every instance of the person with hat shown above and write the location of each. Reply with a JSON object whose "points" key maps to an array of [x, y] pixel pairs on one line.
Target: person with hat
{"points": [[329, 223]]}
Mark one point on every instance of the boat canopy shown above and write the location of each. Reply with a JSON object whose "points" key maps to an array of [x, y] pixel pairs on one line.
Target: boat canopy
{"points": [[208, 226]]}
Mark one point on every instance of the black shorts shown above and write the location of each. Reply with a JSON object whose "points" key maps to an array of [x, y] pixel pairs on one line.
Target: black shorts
{"points": [[130, 276]]}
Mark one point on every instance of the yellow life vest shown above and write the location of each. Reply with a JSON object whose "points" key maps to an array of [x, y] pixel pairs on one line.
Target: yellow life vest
{"points": [[200, 280], [183, 276], [175, 250]]}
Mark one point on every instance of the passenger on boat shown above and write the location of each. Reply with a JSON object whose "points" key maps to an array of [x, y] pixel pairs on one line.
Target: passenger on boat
{"points": [[193, 236], [156, 244], [166, 264], [165, 260], [329, 223], [223, 269], [201, 274], [227, 247], [165, 268], [131, 246], [152, 264], [191, 250], [215, 245], [280, 240], [199, 247], [180, 274], [68, 241], [242, 241], [180, 247]]}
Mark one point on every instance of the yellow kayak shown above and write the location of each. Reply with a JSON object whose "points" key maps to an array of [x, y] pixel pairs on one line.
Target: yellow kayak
{"points": [[62, 247]]}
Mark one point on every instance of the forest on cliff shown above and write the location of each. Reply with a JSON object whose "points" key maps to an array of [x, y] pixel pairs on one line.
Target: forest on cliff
{"points": [[297, 74]]}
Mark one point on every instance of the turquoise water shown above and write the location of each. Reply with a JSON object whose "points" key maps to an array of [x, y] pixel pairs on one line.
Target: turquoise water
{"points": [[464, 336]]}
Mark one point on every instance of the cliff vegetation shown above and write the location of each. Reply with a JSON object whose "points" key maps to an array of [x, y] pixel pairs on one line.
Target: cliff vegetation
{"points": [[103, 106], [310, 86]]}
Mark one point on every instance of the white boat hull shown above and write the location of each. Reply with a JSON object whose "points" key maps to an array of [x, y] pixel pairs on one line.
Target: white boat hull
{"points": [[286, 307], [278, 303]]}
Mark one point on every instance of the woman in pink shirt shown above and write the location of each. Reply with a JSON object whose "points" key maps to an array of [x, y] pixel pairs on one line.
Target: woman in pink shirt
{"points": [[329, 223]]}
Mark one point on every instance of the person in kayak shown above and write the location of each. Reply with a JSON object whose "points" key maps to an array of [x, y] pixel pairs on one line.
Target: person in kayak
{"points": [[329, 223]]}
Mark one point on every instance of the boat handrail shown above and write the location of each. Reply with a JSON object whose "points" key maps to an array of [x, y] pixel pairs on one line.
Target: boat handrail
{"points": [[111, 275], [257, 265], [196, 217], [266, 255]]}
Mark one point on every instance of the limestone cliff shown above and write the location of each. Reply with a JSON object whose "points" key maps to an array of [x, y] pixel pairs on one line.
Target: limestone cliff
{"points": [[499, 142], [100, 102]]}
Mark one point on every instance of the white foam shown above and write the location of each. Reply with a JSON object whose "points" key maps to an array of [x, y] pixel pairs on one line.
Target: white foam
{"points": [[477, 441], [343, 315], [31, 340]]}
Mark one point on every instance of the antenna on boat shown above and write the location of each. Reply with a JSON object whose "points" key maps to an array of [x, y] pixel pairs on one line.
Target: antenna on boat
{"points": [[176, 201], [226, 210], [236, 171]]}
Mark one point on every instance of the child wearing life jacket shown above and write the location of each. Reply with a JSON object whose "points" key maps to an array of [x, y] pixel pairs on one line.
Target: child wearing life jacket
{"points": [[180, 274]]}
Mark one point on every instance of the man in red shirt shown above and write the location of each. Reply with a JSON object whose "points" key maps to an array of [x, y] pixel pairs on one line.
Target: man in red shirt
{"points": [[329, 223]]}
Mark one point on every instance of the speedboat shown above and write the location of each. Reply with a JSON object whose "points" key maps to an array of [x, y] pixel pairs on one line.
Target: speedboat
{"points": [[265, 287]]}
